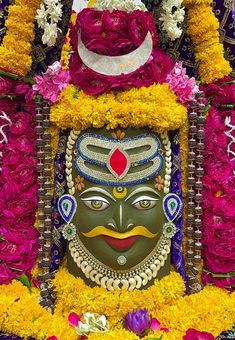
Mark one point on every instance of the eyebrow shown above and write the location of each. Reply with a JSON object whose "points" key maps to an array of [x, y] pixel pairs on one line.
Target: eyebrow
{"points": [[100, 190], [141, 190]]}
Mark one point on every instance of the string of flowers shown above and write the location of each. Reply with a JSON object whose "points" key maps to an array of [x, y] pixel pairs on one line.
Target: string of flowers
{"points": [[203, 29], [219, 183], [21, 314], [156, 107], [48, 16], [18, 190], [16, 47], [172, 20]]}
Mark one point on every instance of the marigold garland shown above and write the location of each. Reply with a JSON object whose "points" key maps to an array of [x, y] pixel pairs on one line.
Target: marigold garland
{"points": [[21, 314], [16, 46], [209, 51], [155, 107]]}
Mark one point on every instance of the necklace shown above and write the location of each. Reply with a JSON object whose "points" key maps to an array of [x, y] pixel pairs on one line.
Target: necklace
{"points": [[130, 279]]}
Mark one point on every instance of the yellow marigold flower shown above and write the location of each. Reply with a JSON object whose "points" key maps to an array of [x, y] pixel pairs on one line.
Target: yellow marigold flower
{"points": [[155, 107], [16, 45], [209, 51]]}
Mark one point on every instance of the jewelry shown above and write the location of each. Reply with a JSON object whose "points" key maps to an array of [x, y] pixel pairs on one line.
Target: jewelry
{"points": [[120, 164], [130, 279], [171, 206], [67, 206], [121, 260]]}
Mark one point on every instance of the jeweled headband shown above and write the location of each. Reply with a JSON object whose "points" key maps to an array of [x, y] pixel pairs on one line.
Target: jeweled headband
{"points": [[114, 162]]}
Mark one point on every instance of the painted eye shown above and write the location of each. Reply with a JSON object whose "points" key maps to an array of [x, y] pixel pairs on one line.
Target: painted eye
{"points": [[96, 203], [144, 203]]}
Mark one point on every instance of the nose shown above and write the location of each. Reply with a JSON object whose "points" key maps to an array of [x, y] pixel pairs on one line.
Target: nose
{"points": [[120, 219]]}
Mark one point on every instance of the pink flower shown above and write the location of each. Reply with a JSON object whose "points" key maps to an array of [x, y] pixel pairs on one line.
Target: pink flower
{"points": [[52, 338], [193, 334], [53, 81], [73, 319], [184, 87], [155, 324]]}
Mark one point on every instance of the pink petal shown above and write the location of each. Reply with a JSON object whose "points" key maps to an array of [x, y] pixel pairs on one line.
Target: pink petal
{"points": [[52, 338], [155, 324], [166, 330], [73, 319]]}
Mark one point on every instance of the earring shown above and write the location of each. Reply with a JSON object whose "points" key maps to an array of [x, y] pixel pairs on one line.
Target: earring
{"points": [[67, 206], [172, 205]]}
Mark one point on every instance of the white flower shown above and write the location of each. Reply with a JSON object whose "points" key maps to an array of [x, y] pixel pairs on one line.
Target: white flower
{"points": [[56, 14], [41, 16], [48, 15], [124, 5], [50, 34], [93, 323], [171, 21]]}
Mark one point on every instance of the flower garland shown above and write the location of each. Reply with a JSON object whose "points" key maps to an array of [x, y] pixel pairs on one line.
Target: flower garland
{"points": [[171, 21], [205, 36], [156, 107], [48, 16], [117, 33], [219, 183], [21, 314], [126, 5], [16, 46], [18, 191]]}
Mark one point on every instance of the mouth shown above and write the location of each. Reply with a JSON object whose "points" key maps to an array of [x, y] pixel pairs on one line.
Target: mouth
{"points": [[120, 244]]}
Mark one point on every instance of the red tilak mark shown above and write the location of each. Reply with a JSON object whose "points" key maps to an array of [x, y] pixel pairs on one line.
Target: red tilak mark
{"points": [[118, 162]]}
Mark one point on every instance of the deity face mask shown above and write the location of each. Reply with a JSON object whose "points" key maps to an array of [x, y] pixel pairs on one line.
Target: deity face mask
{"points": [[120, 212]]}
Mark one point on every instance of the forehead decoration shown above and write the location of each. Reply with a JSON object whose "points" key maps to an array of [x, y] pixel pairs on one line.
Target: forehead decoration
{"points": [[115, 162], [116, 65]]}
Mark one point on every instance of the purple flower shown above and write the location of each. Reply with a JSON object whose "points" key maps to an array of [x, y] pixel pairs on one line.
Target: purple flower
{"points": [[138, 321]]}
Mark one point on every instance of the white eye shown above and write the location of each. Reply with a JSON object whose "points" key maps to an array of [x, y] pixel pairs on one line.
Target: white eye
{"points": [[96, 203], [144, 202]]}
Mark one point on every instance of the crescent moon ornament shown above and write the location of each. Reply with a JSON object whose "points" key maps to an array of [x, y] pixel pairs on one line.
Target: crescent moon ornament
{"points": [[116, 65]]}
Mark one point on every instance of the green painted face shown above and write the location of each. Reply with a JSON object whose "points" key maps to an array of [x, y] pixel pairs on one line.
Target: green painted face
{"points": [[120, 226]]}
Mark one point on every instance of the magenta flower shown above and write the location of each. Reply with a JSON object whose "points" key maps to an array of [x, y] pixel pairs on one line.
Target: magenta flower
{"points": [[138, 321], [73, 319], [155, 324], [197, 335], [52, 82], [52, 338]]}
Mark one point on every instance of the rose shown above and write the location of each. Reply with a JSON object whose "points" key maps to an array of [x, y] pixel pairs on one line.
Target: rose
{"points": [[89, 21], [6, 275], [207, 278], [21, 124], [22, 88], [161, 65], [193, 334], [139, 23], [6, 85], [24, 175], [23, 143], [220, 256]]}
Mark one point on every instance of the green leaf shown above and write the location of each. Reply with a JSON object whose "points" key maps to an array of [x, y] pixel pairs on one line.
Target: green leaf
{"points": [[24, 280], [154, 338]]}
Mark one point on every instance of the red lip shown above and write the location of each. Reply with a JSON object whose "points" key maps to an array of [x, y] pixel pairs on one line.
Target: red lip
{"points": [[120, 244]]}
